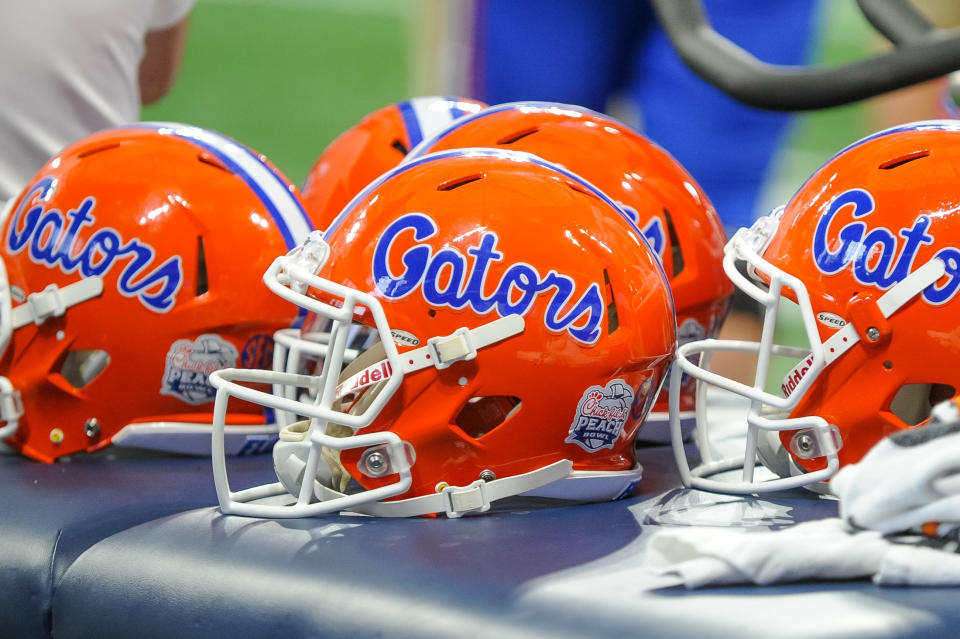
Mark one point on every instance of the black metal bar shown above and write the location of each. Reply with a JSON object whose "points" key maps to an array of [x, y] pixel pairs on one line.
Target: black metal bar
{"points": [[917, 58]]}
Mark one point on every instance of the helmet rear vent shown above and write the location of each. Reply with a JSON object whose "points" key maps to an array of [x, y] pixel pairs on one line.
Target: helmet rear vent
{"points": [[212, 160], [400, 146], [675, 250], [456, 183], [81, 367], [914, 402], [519, 135], [904, 159], [98, 149], [579, 188], [613, 319], [203, 284], [480, 415]]}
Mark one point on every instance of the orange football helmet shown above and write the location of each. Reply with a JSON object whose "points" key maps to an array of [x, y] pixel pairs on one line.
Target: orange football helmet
{"points": [[372, 147], [869, 250], [132, 262], [524, 329], [673, 212]]}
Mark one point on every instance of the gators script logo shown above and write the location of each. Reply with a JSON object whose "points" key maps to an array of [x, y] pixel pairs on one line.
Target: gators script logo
{"points": [[50, 237]]}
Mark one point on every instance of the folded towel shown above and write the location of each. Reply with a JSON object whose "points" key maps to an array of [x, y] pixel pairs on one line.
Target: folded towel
{"points": [[814, 550], [907, 480], [899, 524]]}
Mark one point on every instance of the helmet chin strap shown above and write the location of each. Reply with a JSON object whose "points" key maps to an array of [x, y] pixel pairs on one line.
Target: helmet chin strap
{"points": [[52, 301], [457, 501], [888, 304], [296, 455]]}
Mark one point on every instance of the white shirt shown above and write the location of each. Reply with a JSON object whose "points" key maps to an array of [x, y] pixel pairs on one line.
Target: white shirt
{"points": [[69, 68]]}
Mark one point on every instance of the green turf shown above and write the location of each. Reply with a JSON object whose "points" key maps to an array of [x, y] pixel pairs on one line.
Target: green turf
{"points": [[286, 78]]}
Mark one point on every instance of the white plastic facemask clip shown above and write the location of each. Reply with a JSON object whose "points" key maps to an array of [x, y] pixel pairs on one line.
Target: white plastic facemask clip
{"points": [[11, 408], [810, 443], [758, 237], [311, 255]]}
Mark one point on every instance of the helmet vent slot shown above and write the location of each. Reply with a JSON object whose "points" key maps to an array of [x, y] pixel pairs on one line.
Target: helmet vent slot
{"points": [[211, 160], [456, 183], [519, 135], [900, 161], [480, 415], [675, 250], [579, 188], [613, 319], [98, 149], [203, 284], [913, 402], [400, 146], [81, 367]]}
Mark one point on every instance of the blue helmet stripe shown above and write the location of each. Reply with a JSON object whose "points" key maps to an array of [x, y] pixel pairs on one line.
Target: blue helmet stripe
{"points": [[273, 191], [480, 152], [424, 147], [411, 123], [927, 125]]}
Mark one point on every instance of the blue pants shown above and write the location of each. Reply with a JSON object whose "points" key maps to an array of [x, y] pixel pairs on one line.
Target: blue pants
{"points": [[584, 51]]}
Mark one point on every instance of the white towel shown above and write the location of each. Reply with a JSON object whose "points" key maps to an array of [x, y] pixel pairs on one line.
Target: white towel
{"points": [[899, 524], [907, 480], [814, 550]]}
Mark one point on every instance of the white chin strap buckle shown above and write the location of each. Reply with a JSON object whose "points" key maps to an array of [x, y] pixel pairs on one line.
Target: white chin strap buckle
{"points": [[53, 301], [461, 345], [452, 348], [459, 500]]}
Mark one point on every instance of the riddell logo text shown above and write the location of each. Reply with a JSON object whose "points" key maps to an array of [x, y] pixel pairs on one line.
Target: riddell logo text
{"points": [[379, 372], [376, 373], [792, 380]]}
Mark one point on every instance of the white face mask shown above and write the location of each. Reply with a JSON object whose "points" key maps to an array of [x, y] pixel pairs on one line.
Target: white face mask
{"points": [[336, 402]]}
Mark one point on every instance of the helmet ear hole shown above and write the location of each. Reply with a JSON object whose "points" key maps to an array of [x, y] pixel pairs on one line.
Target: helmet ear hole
{"points": [[480, 415], [81, 367], [914, 402]]}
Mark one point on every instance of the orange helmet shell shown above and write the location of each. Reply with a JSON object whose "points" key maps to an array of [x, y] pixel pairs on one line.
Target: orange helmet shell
{"points": [[180, 223], [460, 238], [874, 213]]}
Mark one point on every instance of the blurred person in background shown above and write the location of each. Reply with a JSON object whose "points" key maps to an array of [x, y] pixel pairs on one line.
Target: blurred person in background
{"points": [[613, 57], [72, 68]]}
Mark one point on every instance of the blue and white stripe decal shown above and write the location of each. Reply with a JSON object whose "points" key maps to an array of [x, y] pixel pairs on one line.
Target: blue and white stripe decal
{"points": [[568, 109], [273, 190], [925, 125], [516, 156], [425, 117]]}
